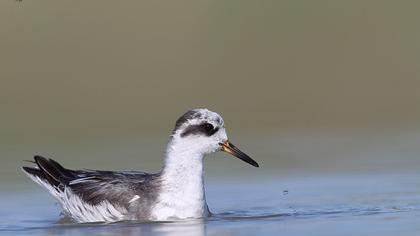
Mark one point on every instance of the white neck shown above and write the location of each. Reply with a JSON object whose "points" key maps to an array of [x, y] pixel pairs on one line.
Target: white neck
{"points": [[183, 167], [182, 192]]}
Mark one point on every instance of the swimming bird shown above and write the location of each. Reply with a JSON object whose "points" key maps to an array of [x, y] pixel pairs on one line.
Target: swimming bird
{"points": [[174, 193]]}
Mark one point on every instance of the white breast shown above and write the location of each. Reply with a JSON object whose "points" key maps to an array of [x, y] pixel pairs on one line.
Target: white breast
{"points": [[174, 209]]}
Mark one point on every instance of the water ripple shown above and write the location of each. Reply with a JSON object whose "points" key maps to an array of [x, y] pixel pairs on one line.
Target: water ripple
{"points": [[310, 213]]}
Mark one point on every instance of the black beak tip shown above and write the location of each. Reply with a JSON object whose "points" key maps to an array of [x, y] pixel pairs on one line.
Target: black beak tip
{"points": [[249, 160], [254, 163]]}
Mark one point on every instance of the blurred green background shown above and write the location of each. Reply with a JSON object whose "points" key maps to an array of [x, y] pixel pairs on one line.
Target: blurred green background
{"points": [[303, 86]]}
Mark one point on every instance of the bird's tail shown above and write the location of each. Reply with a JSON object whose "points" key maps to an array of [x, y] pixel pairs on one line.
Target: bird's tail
{"points": [[49, 174]]}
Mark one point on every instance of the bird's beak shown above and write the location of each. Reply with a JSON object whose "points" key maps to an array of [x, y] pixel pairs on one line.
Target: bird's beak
{"points": [[233, 150]]}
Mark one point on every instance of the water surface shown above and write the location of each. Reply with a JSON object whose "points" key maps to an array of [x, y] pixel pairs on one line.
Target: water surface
{"points": [[328, 205]]}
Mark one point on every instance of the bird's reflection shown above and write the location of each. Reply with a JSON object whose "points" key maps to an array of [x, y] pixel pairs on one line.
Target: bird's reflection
{"points": [[174, 228], [182, 228]]}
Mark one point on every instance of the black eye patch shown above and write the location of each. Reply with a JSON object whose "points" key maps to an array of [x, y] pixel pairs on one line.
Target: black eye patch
{"points": [[204, 128]]}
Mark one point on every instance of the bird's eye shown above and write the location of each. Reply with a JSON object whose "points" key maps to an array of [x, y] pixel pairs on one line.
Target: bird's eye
{"points": [[208, 127]]}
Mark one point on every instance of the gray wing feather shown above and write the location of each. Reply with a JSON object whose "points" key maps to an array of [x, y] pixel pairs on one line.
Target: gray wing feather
{"points": [[118, 188], [94, 186]]}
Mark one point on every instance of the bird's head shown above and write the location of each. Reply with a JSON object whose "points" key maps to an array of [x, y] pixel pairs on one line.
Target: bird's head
{"points": [[203, 131]]}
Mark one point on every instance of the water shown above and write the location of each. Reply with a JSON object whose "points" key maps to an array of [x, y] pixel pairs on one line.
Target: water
{"points": [[324, 205], [346, 183]]}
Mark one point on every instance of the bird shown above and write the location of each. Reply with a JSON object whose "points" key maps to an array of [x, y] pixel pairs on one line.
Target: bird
{"points": [[176, 192]]}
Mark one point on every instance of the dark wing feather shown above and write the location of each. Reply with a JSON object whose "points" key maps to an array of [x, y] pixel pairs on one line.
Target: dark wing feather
{"points": [[54, 172], [93, 186], [34, 171]]}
